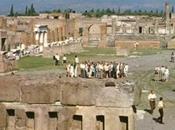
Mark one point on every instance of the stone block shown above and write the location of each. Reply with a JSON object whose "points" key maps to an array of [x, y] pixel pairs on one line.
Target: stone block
{"points": [[77, 94], [20, 119], [112, 97], [40, 93], [10, 91]]}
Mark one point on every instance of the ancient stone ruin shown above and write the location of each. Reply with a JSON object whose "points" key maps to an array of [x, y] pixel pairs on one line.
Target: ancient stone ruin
{"points": [[51, 103], [6, 65]]}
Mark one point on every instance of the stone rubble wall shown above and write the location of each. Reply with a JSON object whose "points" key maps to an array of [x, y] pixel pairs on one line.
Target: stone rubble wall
{"points": [[7, 65], [61, 50]]}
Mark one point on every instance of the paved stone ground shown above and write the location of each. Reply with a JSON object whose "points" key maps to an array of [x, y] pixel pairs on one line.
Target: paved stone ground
{"points": [[148, 123], [145, 63]]}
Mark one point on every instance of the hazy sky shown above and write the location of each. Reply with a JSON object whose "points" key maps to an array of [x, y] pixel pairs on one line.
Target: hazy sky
{"points": [[41, 5]]}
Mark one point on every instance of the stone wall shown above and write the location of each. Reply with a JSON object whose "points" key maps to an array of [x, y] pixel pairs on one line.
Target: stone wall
{"points": [[63, 49], [28, 103], [6, 65], [137, 44]]}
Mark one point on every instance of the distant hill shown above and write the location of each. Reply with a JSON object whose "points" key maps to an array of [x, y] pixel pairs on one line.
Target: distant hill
{"points": [[80, 5]]}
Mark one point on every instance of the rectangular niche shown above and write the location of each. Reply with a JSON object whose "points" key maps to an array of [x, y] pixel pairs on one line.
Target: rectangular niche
{"points": [[53, 121], [100, 122], [124, 122], [77, 122], [30, 121], [10, 119]]}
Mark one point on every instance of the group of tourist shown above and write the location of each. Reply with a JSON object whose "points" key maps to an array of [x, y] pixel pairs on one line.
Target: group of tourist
{"points": [[161, 73], [97, 70]]}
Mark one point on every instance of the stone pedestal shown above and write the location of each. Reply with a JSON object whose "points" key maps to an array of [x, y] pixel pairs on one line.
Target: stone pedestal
{"points": [[6, 65], [85, 37], [103, 36]]}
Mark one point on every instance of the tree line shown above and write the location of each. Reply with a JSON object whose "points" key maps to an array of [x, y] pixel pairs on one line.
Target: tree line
{"points": [[29, 11], [101, 12]]}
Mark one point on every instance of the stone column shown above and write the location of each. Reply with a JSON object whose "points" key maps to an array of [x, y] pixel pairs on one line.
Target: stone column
{"points": [[131, 122], [41, 119], [112, 122], [60, 34], [89, 122], [37, 37], [103, 36], [113, 26], [45, 40], [85, 36], [41, 38]]}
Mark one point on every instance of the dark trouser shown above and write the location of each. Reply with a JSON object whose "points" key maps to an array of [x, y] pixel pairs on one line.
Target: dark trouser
{"points": [[161, 115], [152, 105], [64, 61], [56, 62], [106, 74]]}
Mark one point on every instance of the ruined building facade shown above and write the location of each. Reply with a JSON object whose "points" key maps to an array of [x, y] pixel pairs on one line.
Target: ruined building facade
{"points": [[108, 31]]}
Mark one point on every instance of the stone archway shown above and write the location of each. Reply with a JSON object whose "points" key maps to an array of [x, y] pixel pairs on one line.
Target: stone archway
{"points": [[95, 35]]}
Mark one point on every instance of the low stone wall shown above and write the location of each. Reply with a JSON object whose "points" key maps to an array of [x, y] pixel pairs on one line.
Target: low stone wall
{"points": [[171, 44], [6, 65], [61, 50], [137, 44]]}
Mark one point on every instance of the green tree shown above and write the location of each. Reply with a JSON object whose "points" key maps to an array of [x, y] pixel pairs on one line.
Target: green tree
{"points": [[32, 9], [26, 11], [11, 11]]}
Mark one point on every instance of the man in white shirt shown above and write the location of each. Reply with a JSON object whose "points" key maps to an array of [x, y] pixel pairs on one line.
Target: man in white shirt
{"points": [[57, 59], [76, 59], [126, 67], [64, 59], [161, 106], [152, 100], [166, 73]]}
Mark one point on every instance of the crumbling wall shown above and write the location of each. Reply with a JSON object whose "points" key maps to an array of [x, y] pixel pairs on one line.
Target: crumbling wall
{"points": [[51, 103], [6, 65], [61, 50]]}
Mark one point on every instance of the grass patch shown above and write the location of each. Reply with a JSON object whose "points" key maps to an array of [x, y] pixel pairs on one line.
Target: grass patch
{"points": [[142, 52]]}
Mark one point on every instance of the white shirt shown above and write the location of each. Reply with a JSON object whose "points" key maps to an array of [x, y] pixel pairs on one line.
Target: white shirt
{"points": [[152, 96], [126, 68], [57, 57], [76, 60], [166, 72], [160, 104], [106, 68], [64, 58]]}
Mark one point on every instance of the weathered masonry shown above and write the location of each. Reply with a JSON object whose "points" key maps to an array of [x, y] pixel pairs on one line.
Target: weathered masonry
{"points": [[63, 104]]}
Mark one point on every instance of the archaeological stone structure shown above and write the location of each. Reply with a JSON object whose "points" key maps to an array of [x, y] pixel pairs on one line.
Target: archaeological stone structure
{"points": [[6, 65], [107, 31], [52, 103]]}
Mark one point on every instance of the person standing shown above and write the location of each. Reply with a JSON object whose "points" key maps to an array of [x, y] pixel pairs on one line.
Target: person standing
{"points": [[161, 112], [152, 101], [76, 59], [172, 57], [64, 59], [57, 59]]}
